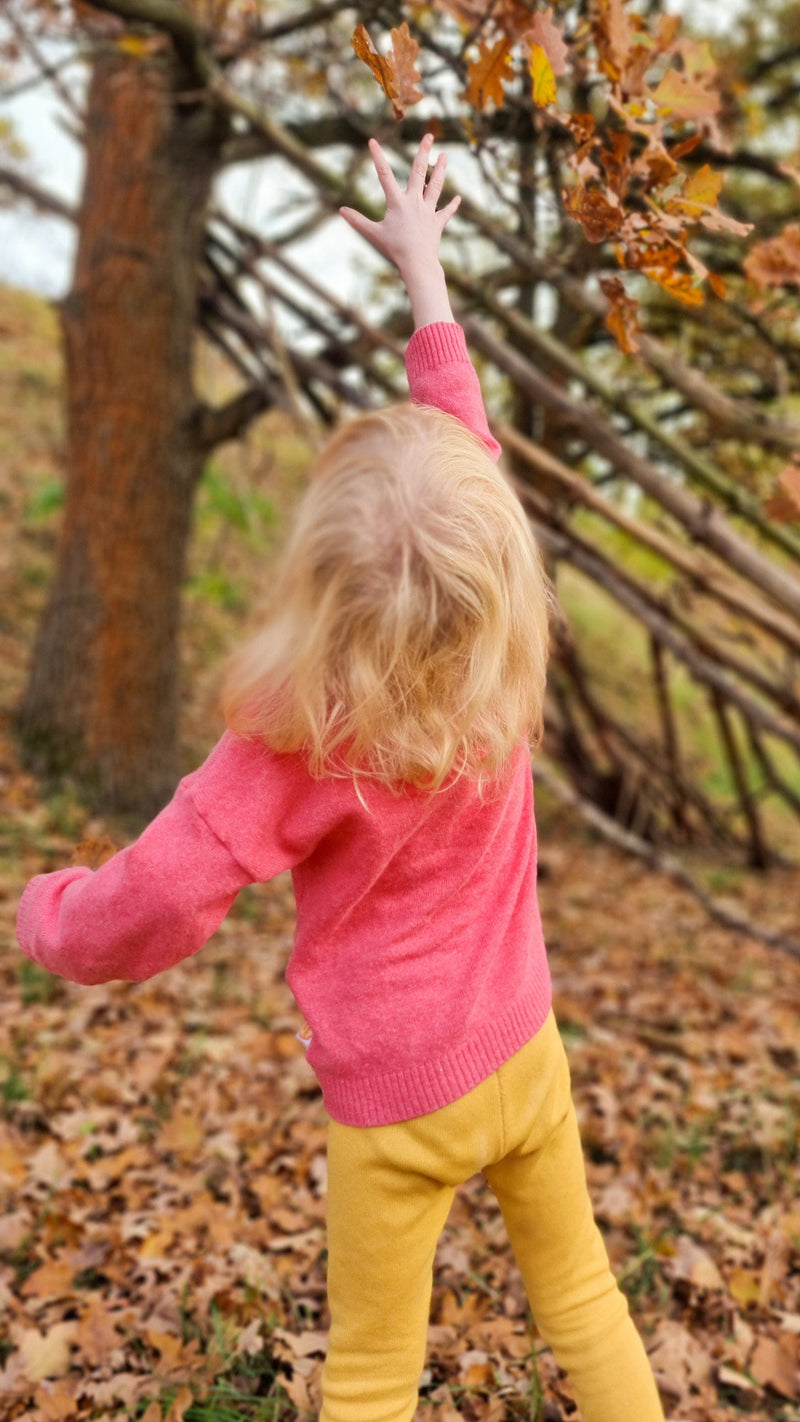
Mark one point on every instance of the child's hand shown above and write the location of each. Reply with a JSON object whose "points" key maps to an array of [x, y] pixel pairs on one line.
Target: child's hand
{"points": [[410, 232]]}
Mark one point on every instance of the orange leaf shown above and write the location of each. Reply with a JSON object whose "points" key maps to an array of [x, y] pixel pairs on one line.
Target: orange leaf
{"points": [[181, 1404], [395, 73], [54, 1277], [621, 319], [704, 186], [614, 36], [486, 74], [776, 262], [55, 1402], [403, 57], [549, 38], [96, 1334], [784, 505], [544, 84], [597, 216]]}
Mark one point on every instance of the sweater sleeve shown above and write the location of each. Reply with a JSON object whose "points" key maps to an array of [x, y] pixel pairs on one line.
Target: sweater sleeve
{"points": [[235, 820], [440, 373]]}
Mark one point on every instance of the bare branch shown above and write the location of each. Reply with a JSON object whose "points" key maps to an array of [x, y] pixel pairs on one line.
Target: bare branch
{"points": [[663, 863], [214, 425], [41, 198]]}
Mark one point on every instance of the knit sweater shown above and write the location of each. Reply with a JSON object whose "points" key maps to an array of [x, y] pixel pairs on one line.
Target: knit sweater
{"points": [[418, 962]]}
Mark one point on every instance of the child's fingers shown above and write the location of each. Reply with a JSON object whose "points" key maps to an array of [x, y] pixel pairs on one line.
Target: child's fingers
{"points": [[436, 180], [419, 168], [448, 212], [357, 220], [386, 177]]}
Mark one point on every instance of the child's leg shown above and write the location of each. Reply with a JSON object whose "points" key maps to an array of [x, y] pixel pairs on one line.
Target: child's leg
{"points": [[385, 1215], [541, 1187]]}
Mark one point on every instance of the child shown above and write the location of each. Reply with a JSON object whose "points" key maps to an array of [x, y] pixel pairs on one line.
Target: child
{"points": [[378, 746]]}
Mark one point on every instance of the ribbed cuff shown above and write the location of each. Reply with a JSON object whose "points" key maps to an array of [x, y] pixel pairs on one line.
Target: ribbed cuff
{"points": [[441, 343], [418, 1089]]}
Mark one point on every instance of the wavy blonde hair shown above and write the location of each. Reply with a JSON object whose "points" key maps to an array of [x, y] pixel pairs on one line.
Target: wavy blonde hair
{"points": [[407, 634]]}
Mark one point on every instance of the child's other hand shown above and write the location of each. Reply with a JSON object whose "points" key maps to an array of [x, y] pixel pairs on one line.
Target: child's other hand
{"points": [[411, 230]]}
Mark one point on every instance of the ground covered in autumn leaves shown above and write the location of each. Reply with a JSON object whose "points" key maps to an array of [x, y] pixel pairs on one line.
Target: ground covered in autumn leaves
{"points": [[162, 1146]]}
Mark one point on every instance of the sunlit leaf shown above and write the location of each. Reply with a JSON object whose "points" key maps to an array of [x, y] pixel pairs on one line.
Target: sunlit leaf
{"points": [[544, 84]]}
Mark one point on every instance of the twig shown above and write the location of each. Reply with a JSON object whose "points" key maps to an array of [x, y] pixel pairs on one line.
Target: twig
{"points": [[663, 863]]}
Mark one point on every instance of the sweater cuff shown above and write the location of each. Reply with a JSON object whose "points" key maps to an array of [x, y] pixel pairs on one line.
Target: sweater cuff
{"points": [[441, 343]]}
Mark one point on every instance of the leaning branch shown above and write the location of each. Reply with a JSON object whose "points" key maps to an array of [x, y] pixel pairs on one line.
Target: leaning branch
{"points": [[663, 863]]}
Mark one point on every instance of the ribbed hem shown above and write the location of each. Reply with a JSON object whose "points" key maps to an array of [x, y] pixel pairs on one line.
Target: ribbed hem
{"points": [[418, 1089], [24, 914], [433, 346]]}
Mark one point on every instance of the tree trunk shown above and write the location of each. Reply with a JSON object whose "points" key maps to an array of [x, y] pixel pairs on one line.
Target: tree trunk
{"points": [[102, 698]]}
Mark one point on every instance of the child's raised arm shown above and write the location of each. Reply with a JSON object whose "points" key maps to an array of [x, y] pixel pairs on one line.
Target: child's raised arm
{"points": [[411, 230]]}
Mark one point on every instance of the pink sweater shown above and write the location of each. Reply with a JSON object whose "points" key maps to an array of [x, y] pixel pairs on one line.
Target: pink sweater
{"points": [[418, 961]]}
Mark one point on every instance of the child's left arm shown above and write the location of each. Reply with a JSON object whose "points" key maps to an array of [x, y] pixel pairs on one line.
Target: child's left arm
{"points": [[240, 818], [440, 372]]}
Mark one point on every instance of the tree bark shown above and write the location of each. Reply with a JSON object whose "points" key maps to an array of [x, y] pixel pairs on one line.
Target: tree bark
{"points": [[102, 698]]}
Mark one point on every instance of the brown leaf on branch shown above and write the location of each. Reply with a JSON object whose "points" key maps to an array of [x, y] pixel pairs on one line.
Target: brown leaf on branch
{"points": [[784, 504], [511, 18], [621, 319], [683, 98], [396, 72], [598, 217], [485, 74], [549, 38], [776, 262], [613, 37], [701, 190]]}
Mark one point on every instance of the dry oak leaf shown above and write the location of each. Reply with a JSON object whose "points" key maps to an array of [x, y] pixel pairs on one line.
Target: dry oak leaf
{"points": [[784, 505], [701, 190], [55, 1402], [614, 36], [549, 38], [544, 84], [96, 1334], [597, 216], [50, 1280], [776, 262], [485, 74], [46, 1355], [396, 73], [775, 1367], [621, 319], [683, 98]]}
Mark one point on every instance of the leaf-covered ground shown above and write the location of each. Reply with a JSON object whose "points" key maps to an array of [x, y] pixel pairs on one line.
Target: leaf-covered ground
{"points": [[162, 1146]]}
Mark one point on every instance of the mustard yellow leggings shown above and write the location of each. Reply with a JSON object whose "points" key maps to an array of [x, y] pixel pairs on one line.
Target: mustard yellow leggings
{"points": [[389, 1192]]}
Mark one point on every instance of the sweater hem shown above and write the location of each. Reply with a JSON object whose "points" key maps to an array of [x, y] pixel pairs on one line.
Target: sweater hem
{"points": [[416, 1090]]}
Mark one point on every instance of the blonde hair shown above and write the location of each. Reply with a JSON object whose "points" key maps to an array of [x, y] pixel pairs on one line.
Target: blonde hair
{"points": [[408, 630]]}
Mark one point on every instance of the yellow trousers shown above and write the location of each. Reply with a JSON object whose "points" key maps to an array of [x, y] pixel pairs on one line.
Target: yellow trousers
{"points": [[389, 1192]]}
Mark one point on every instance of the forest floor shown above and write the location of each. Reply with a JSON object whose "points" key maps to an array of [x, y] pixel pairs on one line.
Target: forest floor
{"points": [[162, 1146]]}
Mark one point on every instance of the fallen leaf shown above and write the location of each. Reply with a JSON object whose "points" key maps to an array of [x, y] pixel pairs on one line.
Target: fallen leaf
{"points": [[47, 1355], [96, 1334], [775, 1367], [55, 1402], [50, 1280]]}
